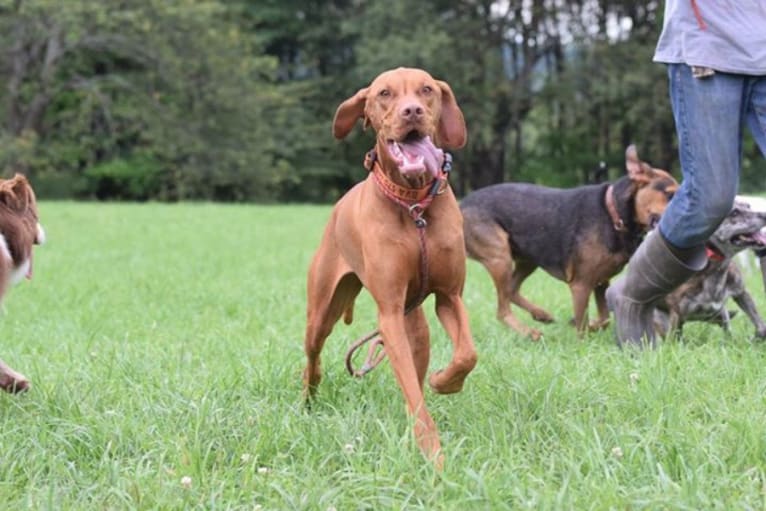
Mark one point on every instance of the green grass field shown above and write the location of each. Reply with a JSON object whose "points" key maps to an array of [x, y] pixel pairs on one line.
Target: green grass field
{"points": [[164, 343]]}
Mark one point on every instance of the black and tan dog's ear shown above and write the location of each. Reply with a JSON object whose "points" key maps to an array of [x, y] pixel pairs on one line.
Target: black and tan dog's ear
{"points": [[638, 171], [348, 113], [451, 131]]}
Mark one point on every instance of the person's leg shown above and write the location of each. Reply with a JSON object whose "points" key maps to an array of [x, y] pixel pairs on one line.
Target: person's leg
{"points": [[756, 111], [756, 120], [708, 114]]}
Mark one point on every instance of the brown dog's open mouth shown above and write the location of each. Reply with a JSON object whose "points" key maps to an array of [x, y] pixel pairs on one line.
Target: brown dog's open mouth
{"points": [[415, 155]]}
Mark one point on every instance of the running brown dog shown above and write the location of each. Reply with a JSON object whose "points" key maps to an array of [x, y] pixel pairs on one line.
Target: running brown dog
{"points": [[582, 236], [372, 241]]}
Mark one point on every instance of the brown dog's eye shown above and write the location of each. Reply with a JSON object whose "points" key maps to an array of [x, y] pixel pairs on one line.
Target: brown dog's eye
{"points": [[427, 89], [384, 93]]}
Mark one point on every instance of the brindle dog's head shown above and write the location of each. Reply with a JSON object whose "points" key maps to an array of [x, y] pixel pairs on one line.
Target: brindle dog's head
{"points": [[653, 189], [414, 116], [741, 229]]}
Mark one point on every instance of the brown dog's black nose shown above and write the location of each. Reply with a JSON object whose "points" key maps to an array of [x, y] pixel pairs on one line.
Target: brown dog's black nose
{"points": [[411, 111]]}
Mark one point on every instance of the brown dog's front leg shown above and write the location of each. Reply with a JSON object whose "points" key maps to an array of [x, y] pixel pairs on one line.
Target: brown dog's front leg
{"points": [[453, 316], [400, 356], [417, 333]]}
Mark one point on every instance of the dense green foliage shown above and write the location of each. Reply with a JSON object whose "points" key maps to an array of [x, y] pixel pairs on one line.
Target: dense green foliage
{"points": [[185, 362], [233, 100]]}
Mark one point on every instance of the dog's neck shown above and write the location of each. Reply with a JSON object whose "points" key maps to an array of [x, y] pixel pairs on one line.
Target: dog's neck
{"points": [[388, 177], [390, 188], [624, 203], [611, 207], [714, 255]]}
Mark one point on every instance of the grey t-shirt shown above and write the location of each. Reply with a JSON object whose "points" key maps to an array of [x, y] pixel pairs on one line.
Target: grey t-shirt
{"points": [[725, 35]]}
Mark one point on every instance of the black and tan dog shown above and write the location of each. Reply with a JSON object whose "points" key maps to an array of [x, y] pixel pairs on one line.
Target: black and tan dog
{"points": [[582, 236], [703, 297]]}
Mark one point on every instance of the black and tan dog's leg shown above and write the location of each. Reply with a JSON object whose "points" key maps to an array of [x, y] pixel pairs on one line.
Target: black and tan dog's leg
{"points": [[488, 243], [599, 296], [522, 270], [453, 316], [580, 296]]}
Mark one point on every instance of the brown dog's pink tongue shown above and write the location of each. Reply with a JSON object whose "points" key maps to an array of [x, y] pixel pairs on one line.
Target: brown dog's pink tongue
{"points": [[421, 156]]}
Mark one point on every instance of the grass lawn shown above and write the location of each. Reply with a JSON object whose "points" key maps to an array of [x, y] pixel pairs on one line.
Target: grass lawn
{"points": [[164, 344]]}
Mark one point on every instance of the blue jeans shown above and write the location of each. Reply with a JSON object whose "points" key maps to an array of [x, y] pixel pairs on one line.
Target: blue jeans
{"points": [[710, 114]]}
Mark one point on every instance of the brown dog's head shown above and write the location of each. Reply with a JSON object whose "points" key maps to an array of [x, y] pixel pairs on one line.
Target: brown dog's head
{"points": [[20, 228], [413, 115], [653, 189]]}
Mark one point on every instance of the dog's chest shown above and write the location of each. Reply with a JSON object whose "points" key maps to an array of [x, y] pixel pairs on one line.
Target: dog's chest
{"points": [[706, 297], [18, 271]]}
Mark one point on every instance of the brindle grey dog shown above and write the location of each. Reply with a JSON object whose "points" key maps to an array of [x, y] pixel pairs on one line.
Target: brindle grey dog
{"points": [[703, 297]]}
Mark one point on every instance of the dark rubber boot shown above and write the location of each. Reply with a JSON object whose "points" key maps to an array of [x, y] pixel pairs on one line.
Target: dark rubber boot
{"points": [[653, 272]]}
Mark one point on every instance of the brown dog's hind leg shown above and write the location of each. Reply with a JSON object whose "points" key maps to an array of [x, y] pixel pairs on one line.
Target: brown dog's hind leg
{"points": [[326, 304], [487, 243], [452, 314]]}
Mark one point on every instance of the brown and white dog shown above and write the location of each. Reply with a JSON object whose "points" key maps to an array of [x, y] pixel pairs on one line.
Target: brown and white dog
{"points": [[20, 229]]}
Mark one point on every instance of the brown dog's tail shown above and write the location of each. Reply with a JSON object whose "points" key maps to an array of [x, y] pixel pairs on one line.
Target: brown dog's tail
{"points": [[348, 314]]}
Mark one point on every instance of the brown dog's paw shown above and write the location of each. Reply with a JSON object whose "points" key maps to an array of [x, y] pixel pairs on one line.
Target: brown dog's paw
{"points": [[14, 385], [442, 383], [310, 384]]}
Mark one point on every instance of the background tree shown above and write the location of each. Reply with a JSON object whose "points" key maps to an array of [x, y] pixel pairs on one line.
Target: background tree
{"points": [[233, 100]]}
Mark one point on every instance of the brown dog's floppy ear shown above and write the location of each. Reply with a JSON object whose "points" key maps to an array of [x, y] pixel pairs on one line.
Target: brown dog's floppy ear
{"points": [[15, 192], [638, 171], [452, 133], [348, 113]]}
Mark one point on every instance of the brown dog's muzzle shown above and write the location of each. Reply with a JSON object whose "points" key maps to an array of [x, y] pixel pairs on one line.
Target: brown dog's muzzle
{"points": [[412, 113], [408, 139]]}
